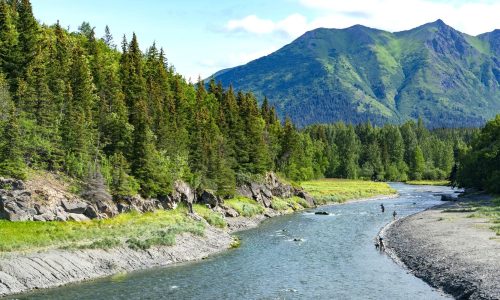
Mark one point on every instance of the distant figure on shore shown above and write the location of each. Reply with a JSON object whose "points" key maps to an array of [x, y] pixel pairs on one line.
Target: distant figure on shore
{"points": [[394, 214], [382, 207], [380, 243]]}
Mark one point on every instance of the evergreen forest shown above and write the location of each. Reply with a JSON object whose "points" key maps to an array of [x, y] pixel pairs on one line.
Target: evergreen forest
{"points": [[78, 104]]}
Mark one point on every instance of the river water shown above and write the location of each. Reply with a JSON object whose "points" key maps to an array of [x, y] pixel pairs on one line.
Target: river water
{"points": [[336, 259]]}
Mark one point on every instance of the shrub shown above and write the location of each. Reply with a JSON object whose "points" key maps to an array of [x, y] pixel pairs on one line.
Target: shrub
{"points": [[279, 204], [245, 207], [213, 218]]}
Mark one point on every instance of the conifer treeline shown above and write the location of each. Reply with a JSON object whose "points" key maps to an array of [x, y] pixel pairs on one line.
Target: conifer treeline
{"points": [[71, 102], [480, 166]]}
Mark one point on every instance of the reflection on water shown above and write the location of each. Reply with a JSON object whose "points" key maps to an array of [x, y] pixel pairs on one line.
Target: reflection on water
{"points": [[302, 256]]}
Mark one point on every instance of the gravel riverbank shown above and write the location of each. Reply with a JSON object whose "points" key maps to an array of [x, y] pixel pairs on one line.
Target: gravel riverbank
{"points": [[449, 250]]}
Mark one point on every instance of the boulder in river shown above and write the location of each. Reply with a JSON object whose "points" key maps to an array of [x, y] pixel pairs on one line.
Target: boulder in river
{"points": [[322, 213]]}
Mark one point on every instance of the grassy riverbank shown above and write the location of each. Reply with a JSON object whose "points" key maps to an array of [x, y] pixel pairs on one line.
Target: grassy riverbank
{"points": [[489, 210], [137, 231], [429, 182], [141, 231], [342, 190]]}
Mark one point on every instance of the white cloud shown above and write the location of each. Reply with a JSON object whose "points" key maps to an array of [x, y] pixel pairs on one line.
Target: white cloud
{"points": [[396, 15], [292, 25], [393, 15]]}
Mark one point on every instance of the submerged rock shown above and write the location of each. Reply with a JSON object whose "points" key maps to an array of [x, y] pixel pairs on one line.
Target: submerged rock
{"points": [[322, 213]]}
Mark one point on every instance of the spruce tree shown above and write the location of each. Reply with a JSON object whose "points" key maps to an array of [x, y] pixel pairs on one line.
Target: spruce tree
{"points": [[9, 54], [11, 154], [28, 29], [108, 38]]}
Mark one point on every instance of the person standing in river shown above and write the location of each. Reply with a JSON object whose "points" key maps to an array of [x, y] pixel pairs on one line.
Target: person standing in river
{"points": [[394, 214], [382, 207]]}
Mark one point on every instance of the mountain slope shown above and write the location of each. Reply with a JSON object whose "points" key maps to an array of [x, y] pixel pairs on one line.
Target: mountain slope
{"points": [[356, 74]]}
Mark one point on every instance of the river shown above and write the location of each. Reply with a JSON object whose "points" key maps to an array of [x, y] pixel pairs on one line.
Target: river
{"points": [[335, 259]]}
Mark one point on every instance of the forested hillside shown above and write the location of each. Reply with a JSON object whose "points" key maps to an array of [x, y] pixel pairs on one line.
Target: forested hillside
{"points": [[359, 74], [73, 103]]}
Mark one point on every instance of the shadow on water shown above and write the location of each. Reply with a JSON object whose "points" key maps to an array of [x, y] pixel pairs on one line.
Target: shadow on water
{"points": [[301, 256]]}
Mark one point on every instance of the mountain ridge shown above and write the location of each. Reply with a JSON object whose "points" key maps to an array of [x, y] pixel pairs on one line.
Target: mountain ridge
{"points": [[358, 74]]}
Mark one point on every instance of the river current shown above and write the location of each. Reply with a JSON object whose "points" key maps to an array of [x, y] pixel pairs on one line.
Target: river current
{"points": [[334, 258]]}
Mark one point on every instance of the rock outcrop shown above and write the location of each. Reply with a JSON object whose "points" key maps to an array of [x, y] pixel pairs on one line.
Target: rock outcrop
{"points": [[20, 201], [271, 187]]}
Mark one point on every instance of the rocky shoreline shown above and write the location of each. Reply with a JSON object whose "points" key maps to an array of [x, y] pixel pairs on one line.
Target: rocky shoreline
{"points": [[20, 273], [25, 272], [47, 199], [448, 250]]}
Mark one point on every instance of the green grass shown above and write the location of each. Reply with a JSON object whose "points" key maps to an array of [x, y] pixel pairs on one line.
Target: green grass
{"points": [[289, 204], [213, 218], [279, 204], [429, 182], [491, 211], [138, 231], [245, 207], [342, 190]]}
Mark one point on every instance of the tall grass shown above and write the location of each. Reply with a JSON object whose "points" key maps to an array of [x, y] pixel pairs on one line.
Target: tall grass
{"points": [[132, 229], [289, 204], [213, 218], [245, 207]]}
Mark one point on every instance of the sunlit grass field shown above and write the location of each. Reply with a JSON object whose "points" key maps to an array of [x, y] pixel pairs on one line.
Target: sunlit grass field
{"points": [[342, 190], [137, 231]]}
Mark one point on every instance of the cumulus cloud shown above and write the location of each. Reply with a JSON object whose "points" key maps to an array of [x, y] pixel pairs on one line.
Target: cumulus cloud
{"points": [[291, 26], [393, 15], [472, 17]]}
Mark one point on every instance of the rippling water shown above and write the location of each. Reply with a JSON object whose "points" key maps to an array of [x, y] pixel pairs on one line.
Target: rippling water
{"points": [[336, 259]]}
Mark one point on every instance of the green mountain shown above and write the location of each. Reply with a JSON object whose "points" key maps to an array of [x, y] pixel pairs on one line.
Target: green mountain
{"points": [[446, 77]]}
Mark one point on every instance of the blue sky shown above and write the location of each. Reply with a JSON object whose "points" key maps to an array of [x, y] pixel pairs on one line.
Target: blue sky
{"points": [[202, 37]]}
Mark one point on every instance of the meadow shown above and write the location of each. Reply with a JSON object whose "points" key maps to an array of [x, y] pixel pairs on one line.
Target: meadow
{"points": [[341, 190]]}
